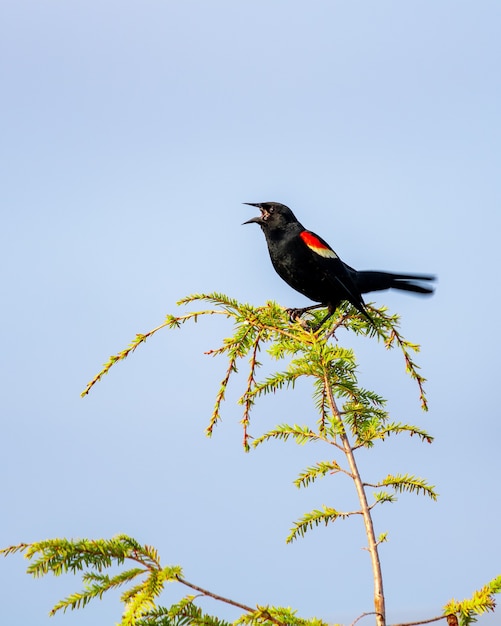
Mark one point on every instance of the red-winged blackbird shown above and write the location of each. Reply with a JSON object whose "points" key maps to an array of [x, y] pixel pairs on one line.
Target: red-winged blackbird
{"points": [[309, 265]]}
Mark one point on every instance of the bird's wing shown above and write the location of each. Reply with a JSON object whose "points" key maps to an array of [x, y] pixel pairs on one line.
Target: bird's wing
{"points": [[318, 245], [337, 271]]}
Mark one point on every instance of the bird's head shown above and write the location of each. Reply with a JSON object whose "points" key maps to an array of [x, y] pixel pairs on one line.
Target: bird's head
{"points": [[273, 215]]}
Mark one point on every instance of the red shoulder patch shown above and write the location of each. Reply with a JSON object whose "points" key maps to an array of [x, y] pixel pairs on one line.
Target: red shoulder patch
{"points": [[319, 246]]}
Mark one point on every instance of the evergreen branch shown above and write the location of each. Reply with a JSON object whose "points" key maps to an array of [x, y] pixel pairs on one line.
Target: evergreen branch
{"points": [[95, 587], [365, 416], [358, 323], [184, 613], [410, 366], [409, 483], [385, 326], [482, 601], [91, 557], [143, 598], [58, 556], [380, 497], [365, 430], [271, 317], [321, 404], [140, 338], [105, 582], [319, 470], [301, 434], [237, 350], [20, 547], [219, 299], [398, 428], [131, 594], [150, 556], [314, 518], [364, 399], [277, 615], [334, 373], [230, 308], [75, 600], [167, 574], [247, 399], [275, 383]]}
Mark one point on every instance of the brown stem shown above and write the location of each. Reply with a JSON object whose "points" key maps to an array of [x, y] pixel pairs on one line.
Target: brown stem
{"points": [[362, 616], [426, 621], [379, 604], [244, 607]]}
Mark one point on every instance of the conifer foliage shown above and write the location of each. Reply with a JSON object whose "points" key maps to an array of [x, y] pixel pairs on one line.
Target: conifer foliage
{"points": [[348, 418]]}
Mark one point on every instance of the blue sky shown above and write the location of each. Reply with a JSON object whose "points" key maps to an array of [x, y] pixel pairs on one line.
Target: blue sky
{"points": [[131, 134]]}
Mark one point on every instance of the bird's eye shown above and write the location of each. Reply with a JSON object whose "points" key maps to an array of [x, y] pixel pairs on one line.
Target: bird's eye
{"points": [[271, 209]]}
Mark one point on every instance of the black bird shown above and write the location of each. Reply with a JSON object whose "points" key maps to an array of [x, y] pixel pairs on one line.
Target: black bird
{"points": [[309, 265]]}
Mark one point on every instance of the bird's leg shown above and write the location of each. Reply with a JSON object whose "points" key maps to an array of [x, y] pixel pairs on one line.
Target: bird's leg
{"points": [[331, 312], [295, 314]]}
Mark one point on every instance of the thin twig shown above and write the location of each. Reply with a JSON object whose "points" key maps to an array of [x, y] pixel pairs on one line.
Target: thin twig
{"points": [[340, 322], [215, 417], [138, 340], [251, 381], [410, 366], [426, 621], [215, 596], [210, 594], [363, 615]]}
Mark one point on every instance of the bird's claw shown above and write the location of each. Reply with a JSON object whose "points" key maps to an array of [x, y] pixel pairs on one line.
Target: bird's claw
{"points": [[294, 314]]}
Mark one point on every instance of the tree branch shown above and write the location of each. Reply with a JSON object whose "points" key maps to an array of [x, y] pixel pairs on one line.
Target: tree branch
{"points": [[363, 615], [428, 621], [379, 603], [215, 596]]}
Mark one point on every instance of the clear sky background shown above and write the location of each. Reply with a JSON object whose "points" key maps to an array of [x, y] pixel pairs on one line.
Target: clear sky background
{"points": [[131, 132]]}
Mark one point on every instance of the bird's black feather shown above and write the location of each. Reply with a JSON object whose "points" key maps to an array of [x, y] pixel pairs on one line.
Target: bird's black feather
{"points": [[309, 265]]}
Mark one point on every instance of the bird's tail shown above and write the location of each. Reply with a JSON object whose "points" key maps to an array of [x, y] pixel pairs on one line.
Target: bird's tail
{"points": [[378, 281]]}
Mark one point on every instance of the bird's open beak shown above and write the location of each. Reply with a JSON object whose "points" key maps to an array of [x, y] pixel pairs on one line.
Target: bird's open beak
{"points": [[259, 218]]}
